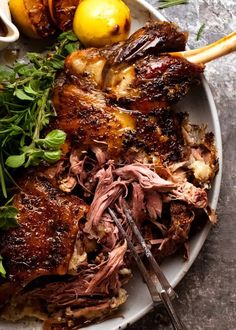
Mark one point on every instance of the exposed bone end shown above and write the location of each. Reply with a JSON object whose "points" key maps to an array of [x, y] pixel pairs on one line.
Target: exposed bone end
{"points": [[222, 47]]}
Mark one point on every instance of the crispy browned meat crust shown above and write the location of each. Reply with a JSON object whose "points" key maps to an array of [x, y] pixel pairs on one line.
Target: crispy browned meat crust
{"points": [[154, 38], [89, 119], [134, 71], [98, 89], [48, 224]]}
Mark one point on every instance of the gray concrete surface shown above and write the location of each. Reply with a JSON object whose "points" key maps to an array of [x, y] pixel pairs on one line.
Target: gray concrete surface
{"points": [[207, 294]]}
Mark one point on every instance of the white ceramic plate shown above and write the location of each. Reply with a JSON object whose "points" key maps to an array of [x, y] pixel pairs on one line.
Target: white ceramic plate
{"points": [[200, 104]]}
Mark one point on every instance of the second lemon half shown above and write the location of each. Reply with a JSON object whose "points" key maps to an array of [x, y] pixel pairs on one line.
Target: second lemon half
{"points": [[99, 23]]}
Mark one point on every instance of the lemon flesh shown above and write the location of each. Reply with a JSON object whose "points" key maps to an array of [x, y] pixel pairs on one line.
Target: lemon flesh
{"points": [[21, 18], [99, 23]]}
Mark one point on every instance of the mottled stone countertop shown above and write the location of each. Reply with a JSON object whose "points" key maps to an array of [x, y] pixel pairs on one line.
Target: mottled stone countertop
{"points": [[207, 294]]}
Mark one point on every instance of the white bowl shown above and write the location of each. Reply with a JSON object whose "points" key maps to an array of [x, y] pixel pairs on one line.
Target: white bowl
{"points": [[12, 31]]}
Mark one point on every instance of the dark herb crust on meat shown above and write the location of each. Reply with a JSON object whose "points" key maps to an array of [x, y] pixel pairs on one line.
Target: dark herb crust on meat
{"points": [[66, 262], [48, 225]]}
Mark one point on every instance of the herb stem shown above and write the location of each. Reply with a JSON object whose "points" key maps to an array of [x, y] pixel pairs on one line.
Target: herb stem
{"points": [[25, 109], [2, 177], [171, 3], [21, 82], [41, 114], [200, 31]]}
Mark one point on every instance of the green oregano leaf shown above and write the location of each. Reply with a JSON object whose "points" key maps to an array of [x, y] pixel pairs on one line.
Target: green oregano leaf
{"points": [[15, 161], [2, 269], [20, 94], [52, 156], [54, 139]]}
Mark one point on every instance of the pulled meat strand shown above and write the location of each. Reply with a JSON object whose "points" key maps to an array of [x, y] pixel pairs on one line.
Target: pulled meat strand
{"points": [[153, 204], [115, 260], [106, 193], [146, 178]]}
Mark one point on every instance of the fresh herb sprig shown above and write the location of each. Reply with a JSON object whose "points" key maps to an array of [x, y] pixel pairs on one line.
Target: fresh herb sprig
{"points": [[170, 3], [25, 109], [200, 31], [2, 269]]}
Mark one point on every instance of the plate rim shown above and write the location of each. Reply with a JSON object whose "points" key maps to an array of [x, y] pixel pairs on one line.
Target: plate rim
{"points": [[214, 198]]}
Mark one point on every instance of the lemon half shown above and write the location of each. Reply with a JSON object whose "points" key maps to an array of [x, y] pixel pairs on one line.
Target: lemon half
{"points": [[99, 23], [21, 18]]}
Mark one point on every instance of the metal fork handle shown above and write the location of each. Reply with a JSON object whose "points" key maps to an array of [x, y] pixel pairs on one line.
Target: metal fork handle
{"points": [[164, 293], [175, 320]]}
